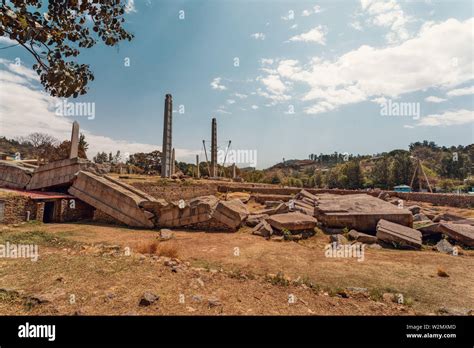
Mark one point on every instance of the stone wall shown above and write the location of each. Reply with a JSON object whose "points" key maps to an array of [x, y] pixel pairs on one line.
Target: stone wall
{"points": [[174, 191], [447, 199], [16, 208]]}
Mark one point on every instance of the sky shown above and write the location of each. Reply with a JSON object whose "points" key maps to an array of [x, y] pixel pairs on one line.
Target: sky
{"points": [[283, 78]]}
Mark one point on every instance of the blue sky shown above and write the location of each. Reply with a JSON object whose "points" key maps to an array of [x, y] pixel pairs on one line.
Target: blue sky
{"points": [[333, 63]]}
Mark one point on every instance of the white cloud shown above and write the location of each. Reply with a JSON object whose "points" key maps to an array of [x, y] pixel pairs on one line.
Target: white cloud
{"points": [[434, 99], [230, 101], [290, 16], [448, 118], [7, 41], [258, 36], [461, 91], [316, 34], [255, 107], [388, 14], [25, 109], [223, 111], [294, 26], [130, 7], [356, 25], [309, 12], [417, 64], [216, 84], [240, 95]]}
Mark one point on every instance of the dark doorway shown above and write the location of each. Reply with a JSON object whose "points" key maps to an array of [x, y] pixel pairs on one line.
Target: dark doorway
{"points": [[48, 215]]}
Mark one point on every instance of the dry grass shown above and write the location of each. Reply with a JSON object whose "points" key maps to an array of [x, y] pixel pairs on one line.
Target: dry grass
{"points": [[168, 249], [148, 247]]}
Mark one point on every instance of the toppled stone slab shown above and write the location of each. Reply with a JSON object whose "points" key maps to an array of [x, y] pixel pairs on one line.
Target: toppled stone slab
{"points": [[262, 198], [415, 209], [263, 229], [447, 217], [463, 234], [112, 199], [292, 222], [231, 213], [281, 208], [398, 235], [196, 211], [362, 237], [14, 175], [358, 211], [62, 173]]}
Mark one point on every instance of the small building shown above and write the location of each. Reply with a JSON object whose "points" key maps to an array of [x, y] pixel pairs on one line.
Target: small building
{"points": [[19, 206], [402, 188]]}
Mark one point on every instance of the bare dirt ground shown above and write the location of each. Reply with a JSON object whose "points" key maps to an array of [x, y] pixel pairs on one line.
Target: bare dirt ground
{"points": [[221, 273]]}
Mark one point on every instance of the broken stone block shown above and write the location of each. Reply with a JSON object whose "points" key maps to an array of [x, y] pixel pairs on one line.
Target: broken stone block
{"points": [[166, 234], [197, 210], [254, 219], [447, 217], [463, 234], [231, 213], [292, 222], [362, 237], [398, 235], [272, 204], [415, 209], [263, 229], [420, 217], [444, 246]]}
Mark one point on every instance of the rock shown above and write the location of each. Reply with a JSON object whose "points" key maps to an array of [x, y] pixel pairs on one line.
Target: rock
{"points": [[428, 229], [398, 235], [263, 229], [463, 234], [166, 234], [292, 222], [197, 210], [254, 219], [375, 246], [362, 237], [331, 230], [444, 246], [272, 204], [147, 299], [231, 213], [338, 238], [214, 302], [420, 217], [415, 209], [277, 238], [383, 195], [453, 311], [447, 217], [196, 298]]}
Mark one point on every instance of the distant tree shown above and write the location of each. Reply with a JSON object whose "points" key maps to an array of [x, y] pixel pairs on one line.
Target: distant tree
{"points": [[54, 32], [353, 175], [101, 157]]}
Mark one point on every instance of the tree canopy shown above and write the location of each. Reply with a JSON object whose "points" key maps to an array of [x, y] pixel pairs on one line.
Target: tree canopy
{"points": [[55, 31]]}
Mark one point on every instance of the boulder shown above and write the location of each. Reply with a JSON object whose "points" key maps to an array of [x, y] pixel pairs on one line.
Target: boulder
{"points": [[292, 222], [463, 234], [398, 235], [444, 246], [254, 219], [263, 229], [362, 237], [166, 234], [231, 213], [147, 299]]}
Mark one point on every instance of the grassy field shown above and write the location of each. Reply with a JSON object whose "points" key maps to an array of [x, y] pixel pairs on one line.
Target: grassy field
{"points": [[87, 269]]}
